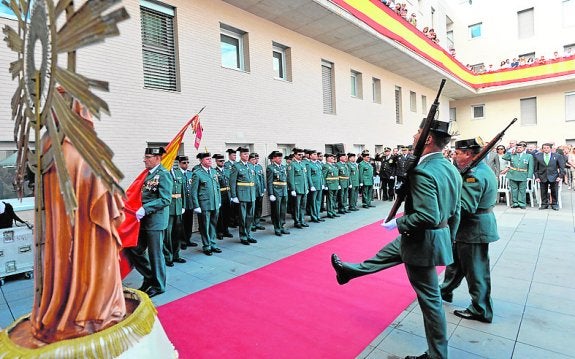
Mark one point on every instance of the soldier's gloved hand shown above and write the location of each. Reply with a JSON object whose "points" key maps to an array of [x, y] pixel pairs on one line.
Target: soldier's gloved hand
{"points": [[391, 177], [361, 184], [198, 210], [312, 189], [140, 213], [338, 187], [272, 198], [306, 192], [183, 210], [391, 225], [350, 186], [235, 200], [293, 193]]}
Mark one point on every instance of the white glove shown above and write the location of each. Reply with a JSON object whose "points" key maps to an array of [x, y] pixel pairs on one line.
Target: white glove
{"points": [[293, 193], [350, 186], [272, 198], [235, 200], [391, 177], [324, 187], [391, 225], [306, 192], [312, 189], [264, 190], [198, 210], [361, 184], [183, 210], [220, 205], [338, 187], [140, 213]]}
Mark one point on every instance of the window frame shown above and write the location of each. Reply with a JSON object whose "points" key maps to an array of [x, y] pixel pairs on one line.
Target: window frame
{"points": [[571, 96], [398, 105], [471, 28], [482, 107], [285, 54], [235, 34], [356, 84], [328, 108], [412, 101]]}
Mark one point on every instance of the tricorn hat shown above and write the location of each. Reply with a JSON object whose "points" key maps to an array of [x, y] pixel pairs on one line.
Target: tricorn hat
{"points": [[230, 151], [157, 151], [217, 156], [351, 154], [439, 127], [242, 149], [275, 154], [202, 155], [182, 158], [468, 144], [328, 155]]}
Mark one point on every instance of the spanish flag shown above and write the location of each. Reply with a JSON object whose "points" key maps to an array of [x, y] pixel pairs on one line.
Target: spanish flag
{"points": [[130, 228]]}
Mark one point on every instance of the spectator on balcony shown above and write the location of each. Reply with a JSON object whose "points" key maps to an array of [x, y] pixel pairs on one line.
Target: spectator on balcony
{"points": [[514, 63], [413, 19]]}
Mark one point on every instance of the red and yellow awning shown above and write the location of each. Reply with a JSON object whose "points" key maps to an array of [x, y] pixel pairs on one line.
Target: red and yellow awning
{"points": [[386, 22]]}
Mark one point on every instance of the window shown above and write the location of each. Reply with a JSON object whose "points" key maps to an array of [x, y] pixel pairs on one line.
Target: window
{"points": [[529, 111], [8, 160], [376, 90], [412, 101], [423, 104], [478, 68], [568, 13], [358, 148], [568, 50], [570, 106], [450, 43], [281, 61], [475, 31], [158, 46], [452, 114], [356, 84], [328, 90], [398, 115], [234, 48], [525, 24], [478, 111]]}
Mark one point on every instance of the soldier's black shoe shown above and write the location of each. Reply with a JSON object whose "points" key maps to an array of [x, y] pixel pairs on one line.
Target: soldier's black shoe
{"points": [[278, 233], [180, 260], [298, 226], [466, 314], [321, 219], [251, 240], [305, 225], [337, 264], [145, 286], [259, 226], [285, 231], [228, 235], [216, 250], [422, 356], [220, 236], [542, 207], [207, 252], [447, 297], [244, 242], [169, 264], [152, 292], [336, 215]]}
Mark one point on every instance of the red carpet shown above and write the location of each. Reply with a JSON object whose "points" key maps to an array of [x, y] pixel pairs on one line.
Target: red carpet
{"points": [[293, 308]]}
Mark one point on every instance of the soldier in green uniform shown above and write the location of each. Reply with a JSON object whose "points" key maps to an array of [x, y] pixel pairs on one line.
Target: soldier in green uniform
{"points": [[276, 178], [314, 171], [343, 194], [290, 201], [234, 207], [225, 214], [477, 228], [521, 166], [260, 184], [206, 201], [354, 181], [188, 213], [243, 192], [331, 178], [153, 217], [366, 181], [297, 180], [174, 232], [426, 229]]}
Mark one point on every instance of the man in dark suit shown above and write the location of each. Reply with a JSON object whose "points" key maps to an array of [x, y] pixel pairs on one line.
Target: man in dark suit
{"points": [[549, 170], [153, 216], [387, 174]]}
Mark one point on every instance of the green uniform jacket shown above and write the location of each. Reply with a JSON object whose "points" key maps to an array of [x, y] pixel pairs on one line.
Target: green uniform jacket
{"points": [[365, 173], [521, 166], [330, 176], [206, 190], [187, 195], [343, 173], [156, 197], [177, 192], [242, 182], [353, 173], [276, 177], [297, 177], [315, 176], [432, 209], [478, 196], [260, 180]]}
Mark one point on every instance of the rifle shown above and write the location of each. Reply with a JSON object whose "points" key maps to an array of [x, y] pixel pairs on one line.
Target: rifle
{"points": [[417, 152], [485, 150]]}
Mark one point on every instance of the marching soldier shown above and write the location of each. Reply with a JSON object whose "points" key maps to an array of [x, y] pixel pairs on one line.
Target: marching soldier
{"points": [[206, 201], [331, 178], [315, 176], [387, 174], [243, 192], [297, 180], [276, 178], [153, 217], [366, 181], [225, 214], [354, 181], [260, 185], [175, 227], [187, 213], [344, 183], [521, 166]]}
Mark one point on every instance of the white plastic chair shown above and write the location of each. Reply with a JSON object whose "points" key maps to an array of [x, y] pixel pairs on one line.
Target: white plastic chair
{"points": [[377, 187], [503, 188], [532, 190]]}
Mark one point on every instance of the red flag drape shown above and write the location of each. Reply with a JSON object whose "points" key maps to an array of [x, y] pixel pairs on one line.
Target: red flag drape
{"points": [[130, 228]]}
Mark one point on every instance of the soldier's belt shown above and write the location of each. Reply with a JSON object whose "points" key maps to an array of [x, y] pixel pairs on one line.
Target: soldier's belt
{"points": [[518, 169], [223, 189], [247, 184], [280, 183], [332, 178], [178, 195], [484, 210], [343, 177]]}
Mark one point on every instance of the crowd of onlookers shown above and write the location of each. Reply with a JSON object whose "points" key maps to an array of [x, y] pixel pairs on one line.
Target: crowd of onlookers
{"points": [[520, 62], [401, 10]]}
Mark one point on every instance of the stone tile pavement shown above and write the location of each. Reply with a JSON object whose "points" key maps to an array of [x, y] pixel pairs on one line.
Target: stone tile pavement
{"points": [[532, 278]]}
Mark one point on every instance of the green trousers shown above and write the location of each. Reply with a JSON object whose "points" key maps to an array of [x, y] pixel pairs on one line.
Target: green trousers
{"points": [[366, 195], [518, 193], [279, 209], [353, 196]]}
